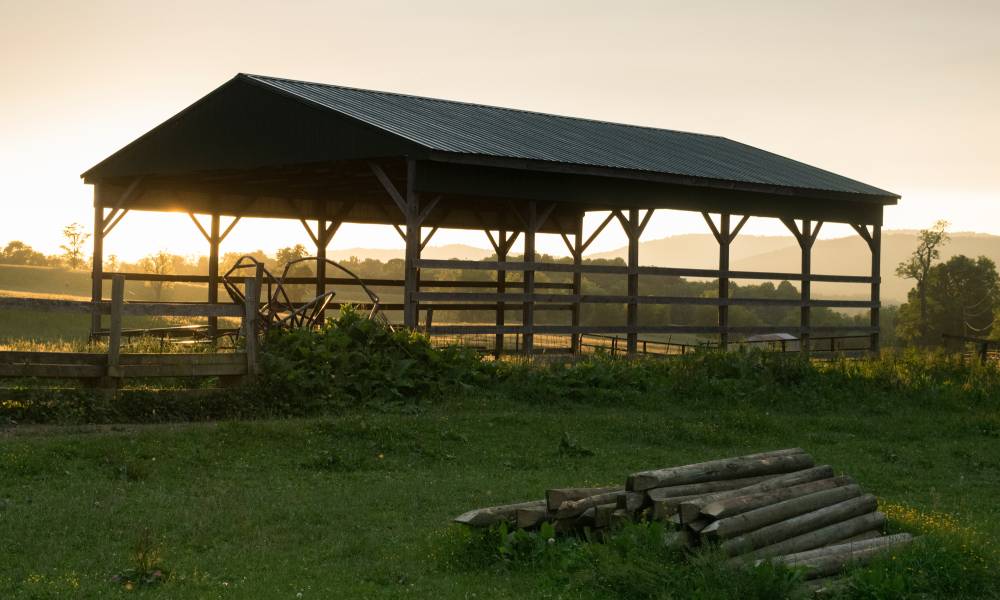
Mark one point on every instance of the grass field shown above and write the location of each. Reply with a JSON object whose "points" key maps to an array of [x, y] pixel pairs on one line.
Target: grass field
{"points": [[357, 505]]}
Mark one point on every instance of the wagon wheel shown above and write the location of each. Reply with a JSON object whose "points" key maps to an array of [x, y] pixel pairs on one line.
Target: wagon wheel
{"points": [[300, 319]]}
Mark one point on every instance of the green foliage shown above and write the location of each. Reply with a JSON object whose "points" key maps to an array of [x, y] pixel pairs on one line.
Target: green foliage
{"points": [[570, 447], [146, 569], [354, 361], [962, 297], [634, 562]]}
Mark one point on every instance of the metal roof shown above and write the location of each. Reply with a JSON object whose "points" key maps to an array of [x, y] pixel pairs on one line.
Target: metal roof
{"points": [[476, 129]]}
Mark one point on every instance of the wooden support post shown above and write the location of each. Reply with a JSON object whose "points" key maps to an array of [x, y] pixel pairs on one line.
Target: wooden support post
{"points": [[213, 273], [251, 293], [724, 242], [502, 247], [876, 249], [528, 312], [321, 243], [577, 281], [633, 281], [805, 242], [412, 274], [97, 270], [115, 329]]}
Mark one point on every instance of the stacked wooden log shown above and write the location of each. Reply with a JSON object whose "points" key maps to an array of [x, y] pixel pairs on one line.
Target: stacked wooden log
{"points": [[774, 506]]}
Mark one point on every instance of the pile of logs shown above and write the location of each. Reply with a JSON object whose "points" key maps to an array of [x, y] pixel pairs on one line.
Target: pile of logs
{"points": [[774, 506]]}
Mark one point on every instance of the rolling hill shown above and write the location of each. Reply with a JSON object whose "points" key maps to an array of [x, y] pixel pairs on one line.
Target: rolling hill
{"points": [[835, 256]]}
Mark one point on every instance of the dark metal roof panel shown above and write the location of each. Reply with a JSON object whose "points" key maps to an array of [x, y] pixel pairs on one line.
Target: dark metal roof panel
{"points": [[459, 127]]}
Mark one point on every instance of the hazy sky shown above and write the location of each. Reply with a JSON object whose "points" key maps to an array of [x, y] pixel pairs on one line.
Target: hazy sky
{"points": [[902, 95]]}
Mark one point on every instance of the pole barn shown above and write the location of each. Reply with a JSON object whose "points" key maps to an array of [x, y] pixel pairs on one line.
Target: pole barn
{"points": [[327, 155]]}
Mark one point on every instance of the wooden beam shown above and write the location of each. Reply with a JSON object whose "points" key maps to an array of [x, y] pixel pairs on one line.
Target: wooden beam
{"points": [[423, 244], [544, 216], [410, 207], [863, 232], [597, 231], [876, 250], [645, 220], [388, 186], [121, 215], [502, 248], [322, 240], [528, 313], [815, 233], [213, 273], [313, 236], [232, 224], [711, 225], [794, 228], [725, 237], [739, 226], [493, 242], [426, 211], [97, 265], [115, 330], [205, 234], [577, 282], [805, 241], [632, 311], [125, 196]]}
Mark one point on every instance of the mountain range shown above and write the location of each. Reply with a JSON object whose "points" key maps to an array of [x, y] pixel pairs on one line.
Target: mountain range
{"points": [[833, 256]]}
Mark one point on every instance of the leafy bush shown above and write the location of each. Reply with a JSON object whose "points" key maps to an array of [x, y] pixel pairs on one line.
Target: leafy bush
{"points": [[354, 361]]}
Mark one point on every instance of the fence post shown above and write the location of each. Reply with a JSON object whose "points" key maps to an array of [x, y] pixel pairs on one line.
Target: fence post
{"points": [[251, 292], [115, 331]]}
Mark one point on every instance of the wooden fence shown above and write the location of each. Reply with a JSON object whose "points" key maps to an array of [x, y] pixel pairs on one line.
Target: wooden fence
{"points": [[110, 368]]}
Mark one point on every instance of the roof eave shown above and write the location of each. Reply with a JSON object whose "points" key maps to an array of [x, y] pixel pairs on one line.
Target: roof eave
{"points": [[886, 199]]}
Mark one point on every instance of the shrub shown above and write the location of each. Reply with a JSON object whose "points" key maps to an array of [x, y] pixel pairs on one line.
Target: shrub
{"points": [[354, 361]]}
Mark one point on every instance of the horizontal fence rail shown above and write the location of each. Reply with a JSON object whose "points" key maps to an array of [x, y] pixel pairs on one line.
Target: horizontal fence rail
{"points": [[624, 270], [113, 366], [152, 277]]}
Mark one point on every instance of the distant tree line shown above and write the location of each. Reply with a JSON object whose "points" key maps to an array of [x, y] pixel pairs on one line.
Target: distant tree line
{"points": [[958, 297]]}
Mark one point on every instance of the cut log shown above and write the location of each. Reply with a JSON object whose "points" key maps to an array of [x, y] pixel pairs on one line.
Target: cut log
{"points": [[620, 516], [528, 518], [768, 463], [774, 483], [602, 515], [484, 517], [709, 487], [801, 557], [779, 511], [573, 508], [810, 521], [830, 534], [698, 524], [555, 497], [867, 535], [729, 507], [831, 560], [667, 507], [576, 522], [632, 501]]}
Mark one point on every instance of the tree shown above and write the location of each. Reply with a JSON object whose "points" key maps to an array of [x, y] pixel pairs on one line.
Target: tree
{"points": [[961, 295], [73, 248], [288, 255], [112, 264], [18, 253], [918, 267], [158, 264]]}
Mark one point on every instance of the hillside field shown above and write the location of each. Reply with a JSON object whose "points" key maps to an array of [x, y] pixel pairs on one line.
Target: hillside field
{"points": [[357, 504]]}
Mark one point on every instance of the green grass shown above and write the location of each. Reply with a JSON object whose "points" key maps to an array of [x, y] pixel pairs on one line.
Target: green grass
{"points": [[358, 504]]}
